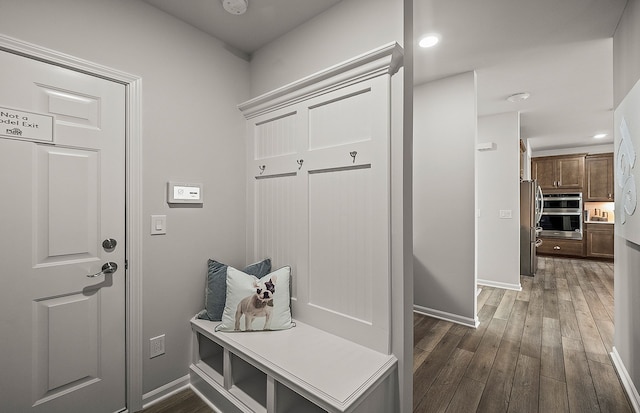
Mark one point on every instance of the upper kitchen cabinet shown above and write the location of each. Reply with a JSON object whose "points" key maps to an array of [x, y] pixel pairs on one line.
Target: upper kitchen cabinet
{"points": [[559, 173], [599, 170]]}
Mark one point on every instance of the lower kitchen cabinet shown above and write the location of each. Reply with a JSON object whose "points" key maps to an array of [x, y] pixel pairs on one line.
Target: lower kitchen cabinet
{"points": [[561, 247], [599, 240]]}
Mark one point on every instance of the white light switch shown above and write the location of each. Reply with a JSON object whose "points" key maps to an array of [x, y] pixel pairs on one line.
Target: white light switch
{"points": [[158, 224], [505, 214]]}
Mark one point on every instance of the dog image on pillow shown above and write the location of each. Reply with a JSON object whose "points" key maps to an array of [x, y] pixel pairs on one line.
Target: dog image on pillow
{"points": [[258, 304]]}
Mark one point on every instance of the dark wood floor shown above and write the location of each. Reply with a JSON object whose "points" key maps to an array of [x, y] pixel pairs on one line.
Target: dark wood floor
{"points": [[543, 349]]}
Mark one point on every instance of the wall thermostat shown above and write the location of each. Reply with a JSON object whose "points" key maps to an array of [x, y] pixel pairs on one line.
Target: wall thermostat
{"points": [[184, 193]]}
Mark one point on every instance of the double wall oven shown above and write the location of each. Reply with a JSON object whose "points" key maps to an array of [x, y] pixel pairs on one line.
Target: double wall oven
{"points": [[562, 216]]}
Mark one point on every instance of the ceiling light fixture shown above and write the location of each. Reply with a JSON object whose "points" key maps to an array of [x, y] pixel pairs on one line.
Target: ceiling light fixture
{"points": [[236, 7], [600, 136], [429, 40], [518, 97]]}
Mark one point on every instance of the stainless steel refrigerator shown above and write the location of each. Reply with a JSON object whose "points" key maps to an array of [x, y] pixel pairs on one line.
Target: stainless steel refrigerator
{"points": [[531, 205]]}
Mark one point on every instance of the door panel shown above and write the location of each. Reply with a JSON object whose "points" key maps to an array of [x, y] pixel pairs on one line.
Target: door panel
{"points": [[63, 333]]}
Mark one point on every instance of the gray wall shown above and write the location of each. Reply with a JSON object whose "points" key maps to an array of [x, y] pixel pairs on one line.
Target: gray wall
{"points": [[626, 65], [444, 182], [350, 28], [191, 131], [499, 189]]}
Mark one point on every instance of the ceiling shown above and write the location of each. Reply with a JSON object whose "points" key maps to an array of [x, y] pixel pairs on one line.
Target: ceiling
{"points": [[558, 51]]}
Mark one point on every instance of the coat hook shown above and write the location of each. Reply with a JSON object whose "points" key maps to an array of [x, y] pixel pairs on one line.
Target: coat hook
{"points": [[262, 168], [353, 155], [300, 162]]}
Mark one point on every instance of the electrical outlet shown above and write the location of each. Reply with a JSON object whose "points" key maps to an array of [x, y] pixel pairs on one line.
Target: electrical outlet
{"points": [[156, 346]]}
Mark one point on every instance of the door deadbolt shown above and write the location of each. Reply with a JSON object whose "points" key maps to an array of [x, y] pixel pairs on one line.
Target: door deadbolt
{"points": [[109, 244]]}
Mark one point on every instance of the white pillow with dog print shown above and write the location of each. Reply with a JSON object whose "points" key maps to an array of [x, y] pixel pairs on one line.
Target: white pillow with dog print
{"points": [[257, 304]]}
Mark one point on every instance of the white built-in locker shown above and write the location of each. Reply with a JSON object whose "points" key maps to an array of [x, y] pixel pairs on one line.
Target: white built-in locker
{"points": [[319, 194]]}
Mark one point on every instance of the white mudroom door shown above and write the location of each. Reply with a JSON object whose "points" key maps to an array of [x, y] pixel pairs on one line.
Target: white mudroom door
{"points": [[62, 235]]}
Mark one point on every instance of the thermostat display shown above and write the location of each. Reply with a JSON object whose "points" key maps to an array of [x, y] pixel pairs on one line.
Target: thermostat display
{"points": [[181, 193]]}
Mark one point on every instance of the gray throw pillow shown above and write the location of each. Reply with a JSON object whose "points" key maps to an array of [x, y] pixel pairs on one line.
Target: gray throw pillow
{"points": [[216, 290]]}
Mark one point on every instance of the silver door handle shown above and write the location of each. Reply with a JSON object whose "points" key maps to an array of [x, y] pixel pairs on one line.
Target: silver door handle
{"points": [[108, 268]]}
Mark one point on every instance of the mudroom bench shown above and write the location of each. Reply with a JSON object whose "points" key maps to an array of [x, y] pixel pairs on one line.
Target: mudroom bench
{"points": [[303, 369]]}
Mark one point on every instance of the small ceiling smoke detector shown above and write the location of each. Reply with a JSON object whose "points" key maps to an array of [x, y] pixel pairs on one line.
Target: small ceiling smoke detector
{"points": [[236, 7], [518, 97]]}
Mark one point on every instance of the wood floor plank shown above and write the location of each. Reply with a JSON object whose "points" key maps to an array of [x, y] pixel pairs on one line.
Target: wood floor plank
{"points": [[611, 398], [506, 305], [444, 387], [419, 356], [423, 328], [467, 397], [497, 390], [593, 345], [495, 297], [562, 288], [434, 335], [426, 374], [553, 396], [484, 356], [185, 401], [526, 283], [580, 389], [515, 324], [606, 329], [550, 304], [568, 321], [472, 338], [484, 296], [532, 332], [526, 386], [551, 357]]}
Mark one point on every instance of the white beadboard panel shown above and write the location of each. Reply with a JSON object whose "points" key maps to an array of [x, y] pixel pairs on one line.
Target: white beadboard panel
{"points": [[67, 205], [344, 119], [340, 242], [275, 229], [61, 363], [275, 136]]}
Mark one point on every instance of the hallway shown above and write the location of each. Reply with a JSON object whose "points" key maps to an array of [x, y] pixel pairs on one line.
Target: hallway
{"points": [[543, 349]]}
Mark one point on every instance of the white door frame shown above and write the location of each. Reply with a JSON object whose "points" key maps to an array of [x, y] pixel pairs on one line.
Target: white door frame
{"points": [[133, 85]]}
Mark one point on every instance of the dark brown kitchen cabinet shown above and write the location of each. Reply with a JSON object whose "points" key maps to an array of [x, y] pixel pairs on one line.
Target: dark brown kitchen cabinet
{"points": [[559, 173], [561, 247], [599, 240], [599, 180]]}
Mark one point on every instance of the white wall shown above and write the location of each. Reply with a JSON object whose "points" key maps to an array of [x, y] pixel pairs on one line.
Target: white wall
{"points": [[445, 126], [191, 131], [626, 64], [499, 189]]}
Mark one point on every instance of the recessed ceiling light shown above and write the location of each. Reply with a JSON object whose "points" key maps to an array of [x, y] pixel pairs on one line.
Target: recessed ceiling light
{"points": [[600, 135], [429, 40], [519, 97]]}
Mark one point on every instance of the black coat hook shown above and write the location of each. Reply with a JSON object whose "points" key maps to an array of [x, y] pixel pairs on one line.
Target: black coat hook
{"points": [[353, 155]]}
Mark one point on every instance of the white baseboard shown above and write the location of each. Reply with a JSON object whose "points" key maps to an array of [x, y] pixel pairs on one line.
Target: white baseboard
{"points": [[497, 284], [162, 392], [630, 388], [454, 318]]}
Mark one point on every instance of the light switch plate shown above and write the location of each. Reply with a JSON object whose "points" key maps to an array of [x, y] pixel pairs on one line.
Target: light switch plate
{"points": [[505, 213], [158, 224]]}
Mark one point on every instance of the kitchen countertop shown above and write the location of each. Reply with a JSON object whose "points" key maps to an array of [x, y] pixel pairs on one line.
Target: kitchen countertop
{"points": [[599, 222]]}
